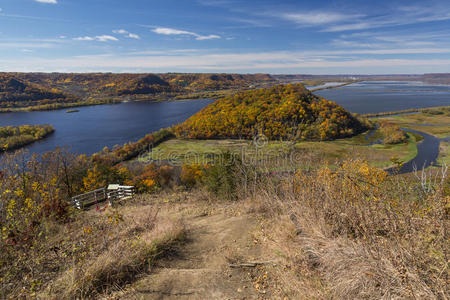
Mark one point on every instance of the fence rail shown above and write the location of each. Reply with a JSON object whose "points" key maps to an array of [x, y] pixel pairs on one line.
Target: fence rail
{"points": [[122, 193], [102, 194], [87, 199]]}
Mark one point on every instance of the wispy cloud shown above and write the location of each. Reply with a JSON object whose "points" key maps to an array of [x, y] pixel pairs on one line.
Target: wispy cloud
{"points": [[127, 34], [249, 22], [30, 43], [296, 62], [47, 1], [99, 38], [328, 21], [318, 18], [84, 38], [393, 39], [171, 31]]}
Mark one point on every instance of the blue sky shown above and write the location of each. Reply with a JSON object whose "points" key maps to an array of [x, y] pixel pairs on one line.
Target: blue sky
{"points": [[292, 37]]}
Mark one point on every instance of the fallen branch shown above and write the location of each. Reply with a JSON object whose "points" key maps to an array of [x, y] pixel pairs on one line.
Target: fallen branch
{"points": [[250, 264]]}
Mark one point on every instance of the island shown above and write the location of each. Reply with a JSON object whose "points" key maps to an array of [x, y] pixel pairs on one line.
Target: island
{"points": [[15, 137]]}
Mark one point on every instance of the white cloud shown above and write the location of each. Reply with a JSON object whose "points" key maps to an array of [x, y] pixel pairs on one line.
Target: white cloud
{"points": [[207, 37], [106, 38], [134, 36], [84, 38], [127, 34], [318, 18], [171, 31], [47, 1], [120, 31], [100, 38]]}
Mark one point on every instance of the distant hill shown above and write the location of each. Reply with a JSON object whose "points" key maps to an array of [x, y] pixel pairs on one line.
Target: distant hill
{"points": [[280, 112], [437, 78], [20, 92], [34, 89], [147, 84]]}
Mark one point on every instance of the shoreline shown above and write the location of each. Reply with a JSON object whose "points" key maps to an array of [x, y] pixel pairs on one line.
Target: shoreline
{"points": [[333, 86], [402, 112]]}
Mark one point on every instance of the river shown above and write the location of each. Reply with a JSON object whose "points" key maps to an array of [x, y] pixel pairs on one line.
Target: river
{"points": [[383, 96], [95, 127]]}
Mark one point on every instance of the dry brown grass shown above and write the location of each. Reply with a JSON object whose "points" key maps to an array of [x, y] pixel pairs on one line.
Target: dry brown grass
{"points": [[139, 239], [355, 234], [98, 252]]}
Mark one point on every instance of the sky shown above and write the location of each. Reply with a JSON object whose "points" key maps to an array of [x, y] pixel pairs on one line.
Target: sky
{"points": [[229, 36]]}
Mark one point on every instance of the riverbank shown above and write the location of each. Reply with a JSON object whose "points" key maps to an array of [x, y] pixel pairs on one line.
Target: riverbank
{"points": [[58, 106], [434, 125], [406, 111], [325, 87]]}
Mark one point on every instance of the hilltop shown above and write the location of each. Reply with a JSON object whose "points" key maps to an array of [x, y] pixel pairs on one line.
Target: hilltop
{"points": [[280, 112], [21, 92], [39, 90]]}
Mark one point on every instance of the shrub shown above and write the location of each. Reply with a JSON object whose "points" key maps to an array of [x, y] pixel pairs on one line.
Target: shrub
{"points": [[192, 174], [392, 133], [226, 176], [35, 189], [101, 175]]}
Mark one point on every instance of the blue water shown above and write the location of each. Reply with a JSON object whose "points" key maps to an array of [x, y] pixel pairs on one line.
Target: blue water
{"points": [[384, 96], [94, 127]]}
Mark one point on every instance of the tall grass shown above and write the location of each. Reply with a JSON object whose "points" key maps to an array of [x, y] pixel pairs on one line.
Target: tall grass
{"points": [[363, 234]]}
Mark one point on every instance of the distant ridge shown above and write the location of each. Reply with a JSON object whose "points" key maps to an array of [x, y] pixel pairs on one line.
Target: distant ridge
{"points": [[20, 90]]}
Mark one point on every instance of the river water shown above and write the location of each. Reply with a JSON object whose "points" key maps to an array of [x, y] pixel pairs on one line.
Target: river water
{"points": [[383, 96], [94, 127]]}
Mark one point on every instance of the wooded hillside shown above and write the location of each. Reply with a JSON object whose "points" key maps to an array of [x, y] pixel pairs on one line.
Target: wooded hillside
{"points": [[282, 111], [18, 90]]}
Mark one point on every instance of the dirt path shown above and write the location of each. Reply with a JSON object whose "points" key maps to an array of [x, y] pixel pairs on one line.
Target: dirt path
{"points": [[201, 269]]}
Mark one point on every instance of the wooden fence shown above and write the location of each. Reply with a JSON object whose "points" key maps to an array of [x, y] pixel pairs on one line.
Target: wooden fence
{"points": [[102, 194], [121, 193], [90, 198]]}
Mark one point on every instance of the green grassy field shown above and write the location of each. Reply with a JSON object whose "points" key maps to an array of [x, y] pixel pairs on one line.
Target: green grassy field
{"points": [[282, 155]]}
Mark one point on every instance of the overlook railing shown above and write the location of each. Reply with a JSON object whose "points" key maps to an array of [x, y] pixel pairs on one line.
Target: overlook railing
{"points": [[113, 193]]}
